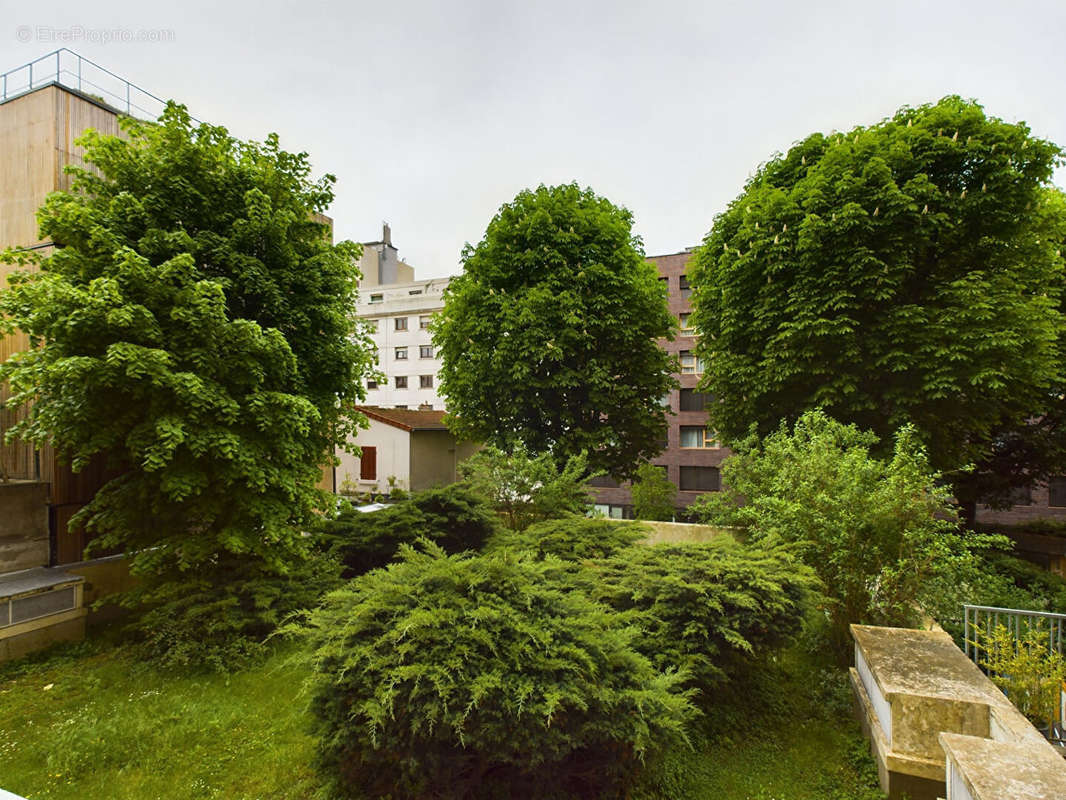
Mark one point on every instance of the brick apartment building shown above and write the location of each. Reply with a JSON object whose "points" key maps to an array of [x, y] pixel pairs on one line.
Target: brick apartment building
{"points": [[691, 456]]}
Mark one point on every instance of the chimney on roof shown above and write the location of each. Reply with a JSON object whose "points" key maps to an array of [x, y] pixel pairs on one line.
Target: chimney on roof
{"points": [[386, 234], [425, 406]]}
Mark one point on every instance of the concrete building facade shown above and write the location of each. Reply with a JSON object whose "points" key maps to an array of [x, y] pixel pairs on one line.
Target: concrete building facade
{"points": [[380, 263], [398, 317]]}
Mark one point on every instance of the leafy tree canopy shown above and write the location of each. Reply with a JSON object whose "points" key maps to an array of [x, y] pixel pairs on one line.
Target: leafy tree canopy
{"points": [[192, 325], [548, 338], [906, 272]]}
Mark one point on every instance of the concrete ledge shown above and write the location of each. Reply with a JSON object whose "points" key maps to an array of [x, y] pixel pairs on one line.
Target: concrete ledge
{"points": [[985, 769], [889, 762]]}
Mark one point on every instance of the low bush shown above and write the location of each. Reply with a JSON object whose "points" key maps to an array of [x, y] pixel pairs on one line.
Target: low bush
{"points": [[482, 676], [453, 517], [572, 538], [707, 608], [218, 618]]}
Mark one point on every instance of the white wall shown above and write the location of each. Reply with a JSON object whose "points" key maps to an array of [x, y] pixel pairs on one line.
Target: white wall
{"points": [[393, 458], [398, 301]]}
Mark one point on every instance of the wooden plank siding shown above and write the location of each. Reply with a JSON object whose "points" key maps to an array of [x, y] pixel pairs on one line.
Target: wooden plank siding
{"points": [[37, 133]]}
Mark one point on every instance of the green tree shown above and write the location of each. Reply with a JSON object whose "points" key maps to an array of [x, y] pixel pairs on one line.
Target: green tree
{"points": [[523, 488], [906, 272], [548, 337], [880, 533], [653, 494], [192, 326]]}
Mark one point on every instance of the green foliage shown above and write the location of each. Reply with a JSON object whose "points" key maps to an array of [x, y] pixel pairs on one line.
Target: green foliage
{"points": [[193, 327], [481, 676], [653, 494], [881, 534], [548, 338], [740, 752], [219, 619], [1029, 671], [710, 608], [572, 538], [453, 517], [906, 272], [526, 488]]}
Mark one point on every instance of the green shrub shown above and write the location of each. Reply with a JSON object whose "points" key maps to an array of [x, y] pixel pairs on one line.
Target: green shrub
{"points": [[882, 534], [572, 538], [708, 608], [481, 676], [653, 494], [524, 488], [219, 618], [453, 517]]}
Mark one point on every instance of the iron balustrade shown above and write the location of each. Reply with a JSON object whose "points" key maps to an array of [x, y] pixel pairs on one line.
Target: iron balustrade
{"points": [[1019, 622]]}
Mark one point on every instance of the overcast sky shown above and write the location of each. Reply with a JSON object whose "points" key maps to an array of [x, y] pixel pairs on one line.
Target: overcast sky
{"points": [[433, 114]]}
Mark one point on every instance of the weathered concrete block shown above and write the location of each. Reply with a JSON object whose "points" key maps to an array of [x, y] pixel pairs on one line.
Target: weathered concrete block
{"points": [[910, 685], [986, 769], [23, 525]]}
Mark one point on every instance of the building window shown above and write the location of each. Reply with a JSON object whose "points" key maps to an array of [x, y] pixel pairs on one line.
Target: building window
{"points": [[371, 325], [371, 384], [401, 323], [368, 464], [425, 351], [377, 298], [401, 353], [699, 479], [686, 290], [697, 436], [425, 381], [423, 322], [690, 365], [401, 382], [691, 400], [415, 291], [611, 510], [400, 406], [686, 324], [1056, 492]]}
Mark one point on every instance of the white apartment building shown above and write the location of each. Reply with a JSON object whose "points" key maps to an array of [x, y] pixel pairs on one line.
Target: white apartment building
{"points": [[398, 316]]}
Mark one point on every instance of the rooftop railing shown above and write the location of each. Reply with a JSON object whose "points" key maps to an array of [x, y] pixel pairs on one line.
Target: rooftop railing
{"points": [[68, 69]]}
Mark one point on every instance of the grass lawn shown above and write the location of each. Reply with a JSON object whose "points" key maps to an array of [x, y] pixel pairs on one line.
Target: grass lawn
{"points": [[89, 724], [90, 721]]}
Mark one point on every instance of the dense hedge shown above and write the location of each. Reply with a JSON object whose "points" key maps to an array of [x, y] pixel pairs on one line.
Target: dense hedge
{"points": [[482, 676], [707, 608], [453, 517]]}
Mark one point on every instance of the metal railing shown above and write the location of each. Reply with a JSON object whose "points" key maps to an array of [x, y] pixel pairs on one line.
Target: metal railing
{"points": [[66, 68], [985, 620]]}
